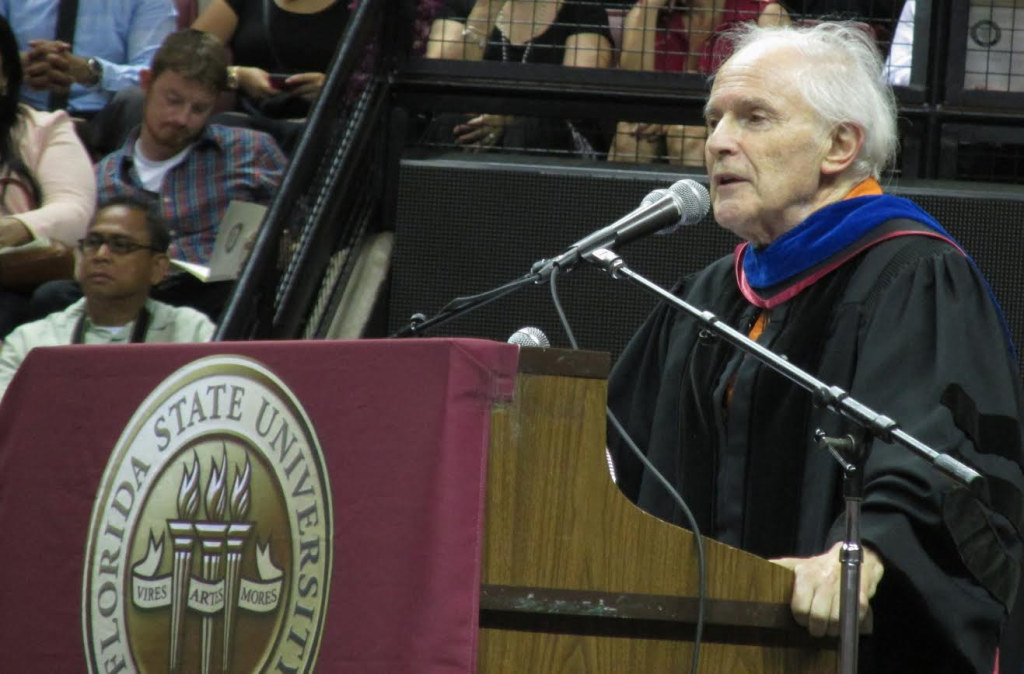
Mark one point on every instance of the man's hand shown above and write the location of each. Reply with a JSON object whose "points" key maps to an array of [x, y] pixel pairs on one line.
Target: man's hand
{"points": [[816, 587], [78, 68], [43, 64], [51, 65]]}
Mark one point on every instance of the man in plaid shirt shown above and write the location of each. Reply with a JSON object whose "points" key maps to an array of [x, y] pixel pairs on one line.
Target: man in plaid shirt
{"points": [[192, 169]]}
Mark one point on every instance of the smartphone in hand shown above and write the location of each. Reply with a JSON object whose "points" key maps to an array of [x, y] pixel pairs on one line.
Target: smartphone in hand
{"points": [[277, 80]]}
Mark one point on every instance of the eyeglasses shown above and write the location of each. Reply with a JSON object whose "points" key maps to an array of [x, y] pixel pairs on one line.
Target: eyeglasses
{"points": [[118, 244]]}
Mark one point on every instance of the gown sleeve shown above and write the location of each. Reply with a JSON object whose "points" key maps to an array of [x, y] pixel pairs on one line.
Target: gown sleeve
{"points": [[935, 355]]}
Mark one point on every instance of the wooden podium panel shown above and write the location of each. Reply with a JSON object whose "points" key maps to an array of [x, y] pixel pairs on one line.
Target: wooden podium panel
{"points": [[577, 579]]}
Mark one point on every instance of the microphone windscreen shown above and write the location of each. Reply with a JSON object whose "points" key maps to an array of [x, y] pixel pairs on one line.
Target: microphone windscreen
{"points": [[695, 200], [529, 336], [652, 197], [691, 199]]}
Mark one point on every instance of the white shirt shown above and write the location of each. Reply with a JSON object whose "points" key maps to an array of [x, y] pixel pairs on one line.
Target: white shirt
{"points": [[151, 173]]}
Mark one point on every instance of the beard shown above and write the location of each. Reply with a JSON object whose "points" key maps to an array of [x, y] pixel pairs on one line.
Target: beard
{"points": [[172, 137]]}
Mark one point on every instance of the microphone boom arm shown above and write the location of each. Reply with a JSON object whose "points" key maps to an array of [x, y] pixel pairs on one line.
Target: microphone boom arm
{"points": [[463, 305]]}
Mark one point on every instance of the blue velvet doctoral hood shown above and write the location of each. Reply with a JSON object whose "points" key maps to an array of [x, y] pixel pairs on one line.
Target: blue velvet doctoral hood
{"points": [[827, 232]]}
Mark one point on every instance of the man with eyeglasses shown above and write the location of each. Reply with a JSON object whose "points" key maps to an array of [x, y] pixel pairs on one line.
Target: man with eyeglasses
{"points": [[123, 254]]}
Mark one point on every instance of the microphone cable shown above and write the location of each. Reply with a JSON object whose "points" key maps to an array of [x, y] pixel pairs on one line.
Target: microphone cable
{"points": [[702, 581]]}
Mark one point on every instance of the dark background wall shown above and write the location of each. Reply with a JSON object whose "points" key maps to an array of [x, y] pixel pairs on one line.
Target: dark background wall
{"points": [[465, 225]]}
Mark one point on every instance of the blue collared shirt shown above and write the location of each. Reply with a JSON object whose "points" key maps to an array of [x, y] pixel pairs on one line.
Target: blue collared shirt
{"points": [[123, 35]]}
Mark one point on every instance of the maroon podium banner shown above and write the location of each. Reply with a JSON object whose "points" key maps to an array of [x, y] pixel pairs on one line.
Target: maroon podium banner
{"points": [[275, 506]]}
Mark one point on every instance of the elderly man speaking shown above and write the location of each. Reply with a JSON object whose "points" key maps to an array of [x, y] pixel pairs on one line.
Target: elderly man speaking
{"points": [[865, 291]]}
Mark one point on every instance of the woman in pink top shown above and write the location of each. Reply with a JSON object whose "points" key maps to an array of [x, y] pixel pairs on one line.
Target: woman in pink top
{"points": [[47, 184]]}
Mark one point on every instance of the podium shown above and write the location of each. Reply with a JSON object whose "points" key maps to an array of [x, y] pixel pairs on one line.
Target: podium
{"points": [[577, 579], [474, 525]]}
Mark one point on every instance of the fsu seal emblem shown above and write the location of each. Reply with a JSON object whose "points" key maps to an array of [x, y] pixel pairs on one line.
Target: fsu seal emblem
{"points": [[211, 536]]}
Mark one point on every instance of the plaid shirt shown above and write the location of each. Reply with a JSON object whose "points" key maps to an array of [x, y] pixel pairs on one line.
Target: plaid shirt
{"points": [[224, 164]]}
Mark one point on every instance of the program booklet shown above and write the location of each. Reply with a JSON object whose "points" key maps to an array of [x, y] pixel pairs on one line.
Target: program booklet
{"points": [[240, 222]]}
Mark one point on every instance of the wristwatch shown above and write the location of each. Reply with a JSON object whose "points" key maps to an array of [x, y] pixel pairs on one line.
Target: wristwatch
{"points": [[95, 71], [232, 78]]}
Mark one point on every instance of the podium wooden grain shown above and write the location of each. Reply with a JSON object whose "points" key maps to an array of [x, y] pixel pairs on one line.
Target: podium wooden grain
{"points": [[575, 578]]}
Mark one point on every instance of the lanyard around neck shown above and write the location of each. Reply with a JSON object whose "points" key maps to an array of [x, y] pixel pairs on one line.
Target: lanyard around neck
{"points": [[138, 330]]}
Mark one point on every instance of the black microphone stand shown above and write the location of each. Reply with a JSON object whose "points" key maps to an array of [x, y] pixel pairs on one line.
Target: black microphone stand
{"points": [[850, 452], [419, 324], [539, 274]]}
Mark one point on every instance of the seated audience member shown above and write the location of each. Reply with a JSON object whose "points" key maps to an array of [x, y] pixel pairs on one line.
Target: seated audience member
{"points": [[47, 186], [123, 254], [281, 52], [192, 169], [573, 33], [95, 75], [674, 36]]}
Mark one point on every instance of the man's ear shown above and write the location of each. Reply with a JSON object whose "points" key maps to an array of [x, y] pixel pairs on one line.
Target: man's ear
{"points": [[145, 79], [844, 144], [161, 265]]}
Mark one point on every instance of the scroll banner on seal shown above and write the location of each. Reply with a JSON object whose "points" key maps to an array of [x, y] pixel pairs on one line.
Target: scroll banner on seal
{"points": [[403, 427], [206, 597]]}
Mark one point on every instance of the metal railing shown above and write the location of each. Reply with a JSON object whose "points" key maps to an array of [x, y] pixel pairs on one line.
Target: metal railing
{"points": [[341, 184], [333, 167]]}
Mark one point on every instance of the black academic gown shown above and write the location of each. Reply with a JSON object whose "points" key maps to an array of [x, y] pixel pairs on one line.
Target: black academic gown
{"points": [[907, 328]]}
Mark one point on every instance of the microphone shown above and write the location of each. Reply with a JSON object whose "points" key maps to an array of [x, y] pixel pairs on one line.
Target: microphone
{"points": [[654, 196], [529, 336], [684, 203]]}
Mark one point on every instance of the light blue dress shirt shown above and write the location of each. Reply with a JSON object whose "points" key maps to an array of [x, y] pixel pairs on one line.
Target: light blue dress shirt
{"points": [[123, 35]]}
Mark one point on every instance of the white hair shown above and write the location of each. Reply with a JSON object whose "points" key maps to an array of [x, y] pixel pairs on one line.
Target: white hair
{"points": [[843, 81]]}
